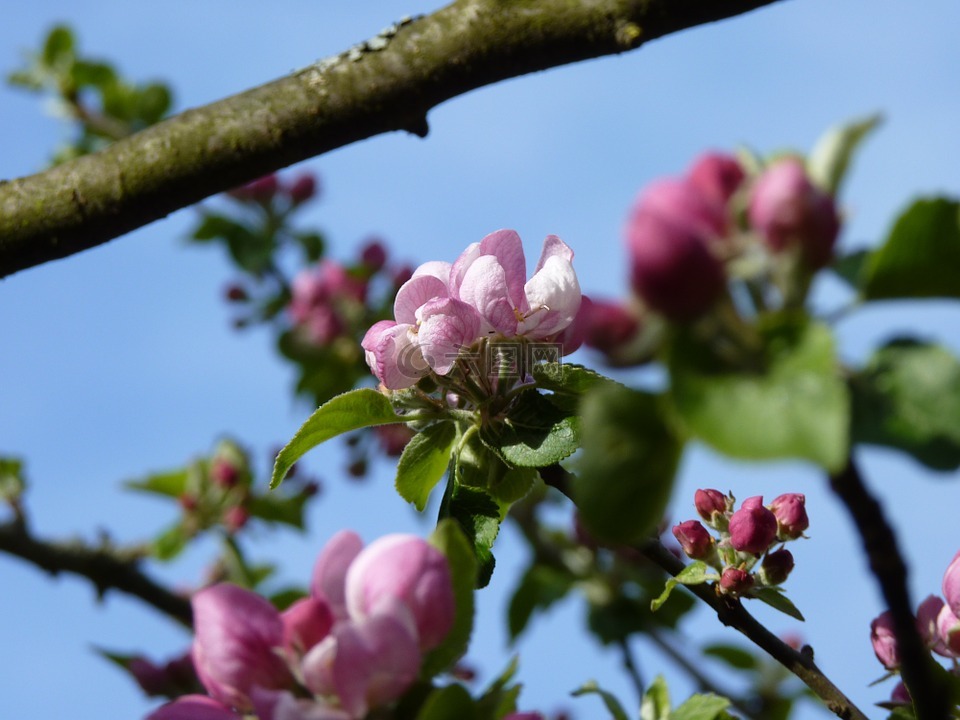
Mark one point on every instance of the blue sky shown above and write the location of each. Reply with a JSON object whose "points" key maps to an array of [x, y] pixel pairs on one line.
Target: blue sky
{"points": [[121, 360]]}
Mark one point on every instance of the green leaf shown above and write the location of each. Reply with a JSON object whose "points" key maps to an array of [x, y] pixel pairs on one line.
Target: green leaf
{"points": [[169, 484], [609, 700], [282, 599], [479, 516], [278, 509], [775, 598], [313, 245], [702, 707], [908, 397], [351, 411], [500, 699], [214, 226], [152, 103], [448, 538], [536, 432], [733, 656], [655, 704], [568, 378], [921, 255], [696, 573], [58, 47], [452, 702], [795, 406], [831, 156], [851, 267], [170, 543], [424, 461], [513, 485], [628, 464], [539, 587], [12, 482], [92, 74]]}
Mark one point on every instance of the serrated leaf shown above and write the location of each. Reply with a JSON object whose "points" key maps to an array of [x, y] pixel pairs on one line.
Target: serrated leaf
{"points": [[609, 700], [626, 471], [452, 702], [278, 509], [921, 255], [831, 156], [535, 433], [795, 406], [169, 484], [655, 704], [696, 573], [908, 397], [568, 378], [351, 411], [449, 538], [479, 516], [538, 588], [513, 485], [701, 707], [424, 461], [733, 656], [778, 601]]}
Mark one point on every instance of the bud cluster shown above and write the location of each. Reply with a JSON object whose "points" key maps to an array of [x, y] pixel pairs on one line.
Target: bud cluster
{"points": [[748, 551], [355, 643], [938, 623], [448, 315]]}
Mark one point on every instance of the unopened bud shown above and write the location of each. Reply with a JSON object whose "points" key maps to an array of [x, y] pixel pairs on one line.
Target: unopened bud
{"points": [[712, 506], [776, 567], [235, 518], [753, 528], [261, 190], [607, 325], [884, 641], [373, 255], [693, 537], [948, 631], [791, 515], [735, 582], [951, 584], [928, 614], [717, 176], [302, 189], [236, 293], [224, 473]]}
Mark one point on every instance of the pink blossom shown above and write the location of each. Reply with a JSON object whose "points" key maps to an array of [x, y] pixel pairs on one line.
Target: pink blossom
{"points": [[948, 632], [235, 647], [710, 503], [776, 567], [951, 584], [393, 354], [884, 641], [330, 571], [694, 539], [283, 705], [717, 176], [788, 210], [753, 528], [365, 663], [790, 511], [407, 569], [928, 614], [608, 325], [193, 707], [305, 623], [734, 581]]}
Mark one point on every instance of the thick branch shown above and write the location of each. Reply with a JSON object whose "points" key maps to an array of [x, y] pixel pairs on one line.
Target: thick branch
{"points": [[388, 83], [917, 667], [107, 568]]}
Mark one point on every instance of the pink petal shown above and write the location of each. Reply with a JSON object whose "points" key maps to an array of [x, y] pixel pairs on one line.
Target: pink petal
{"points": [[484, 288], [553, 296], [305, 623], [330, 571], [272, 705], [414, 294], [448, 325], [437, 268], [553, 246], [459, 268], [396, 359], [193, 707], [505, 245]]}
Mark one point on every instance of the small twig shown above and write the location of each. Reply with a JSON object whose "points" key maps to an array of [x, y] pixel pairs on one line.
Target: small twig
{"points": [[107, 568], [732, 614], [630, 665], [930, 696]]}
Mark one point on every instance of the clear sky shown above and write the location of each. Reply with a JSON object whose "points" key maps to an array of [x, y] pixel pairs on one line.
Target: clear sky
{"points": [[121, 360]]}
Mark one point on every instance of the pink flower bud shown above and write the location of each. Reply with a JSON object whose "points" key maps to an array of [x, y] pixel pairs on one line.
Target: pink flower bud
{"points": [[753, 528], [305, 623], [302, 189], [401, 274], [927, 614], [693, 537], [407, 569], [608, 325], [152, 679], [193, 707], [373, 255], [365, 664], [235, 518], [393, 438], [788, 210], [951, 584], [776, 567], [524, 716], [884, 642], [734, 581], [717, 176], [237, 636], [948, 632], [223, 472], [709, 504], [672, 266], [791, 515], [330, 571], [900, 696], [236, 293], [261, 190]]}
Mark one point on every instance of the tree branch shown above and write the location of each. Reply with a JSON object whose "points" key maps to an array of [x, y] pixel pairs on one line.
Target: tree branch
{"points": [[107, 568], [388, 83], [919, 671]]}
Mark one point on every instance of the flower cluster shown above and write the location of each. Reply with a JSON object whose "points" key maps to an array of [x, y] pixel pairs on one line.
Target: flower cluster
{"points": [[685, 234], [354, 644], [445, 309], [746, 535], [938, 623]]}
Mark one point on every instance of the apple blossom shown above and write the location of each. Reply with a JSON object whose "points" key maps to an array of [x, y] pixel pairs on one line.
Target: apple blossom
{"points": [[884, 641], [951, 584], [694, 539], [791, 515], [193, 707], [752, 528]]}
